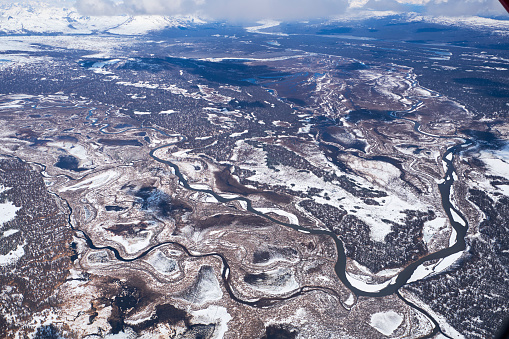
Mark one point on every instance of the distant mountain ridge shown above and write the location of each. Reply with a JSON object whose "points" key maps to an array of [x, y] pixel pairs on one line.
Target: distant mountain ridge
{"points": [[41, 18]]}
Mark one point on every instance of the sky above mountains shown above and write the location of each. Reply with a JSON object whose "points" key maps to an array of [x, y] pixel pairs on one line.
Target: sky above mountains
{"points": [[240, 10], [285, 9]]}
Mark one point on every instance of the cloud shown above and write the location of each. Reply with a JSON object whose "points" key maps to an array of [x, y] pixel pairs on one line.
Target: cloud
{"points": [[98, 7], [273, 9], [239, 10], [218, 9]]}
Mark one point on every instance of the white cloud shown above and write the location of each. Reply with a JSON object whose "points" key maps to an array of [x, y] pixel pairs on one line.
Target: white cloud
{"points": [[98, 7], [357, 3], [414, 2], [219, 9]]}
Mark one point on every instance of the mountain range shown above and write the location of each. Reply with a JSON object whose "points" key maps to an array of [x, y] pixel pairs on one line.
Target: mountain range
{"points": [[42, 18]]}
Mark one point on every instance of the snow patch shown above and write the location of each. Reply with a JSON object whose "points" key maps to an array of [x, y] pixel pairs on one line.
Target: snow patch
{"points": [[169, 111], [76, 150], [379, 230], [386, 322], [278, 281], [350, 300], [135, 244], [13, 256], [264, 24], [206, 289], [213, 314], [9, 232], [422, 271], [497, 161], [162, 263], [234, 135], [126, 333], [456, 217], [292, 218], [432, 227], [7, 212], [358, 282], [448, 261], [93, 181]]}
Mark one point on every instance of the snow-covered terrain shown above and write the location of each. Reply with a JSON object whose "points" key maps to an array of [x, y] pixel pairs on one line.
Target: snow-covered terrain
{"points": [[39, 17], [7, 210], [214, 314], [359, 282], [13, 256], [93, 181], [499, 27], [496, 26], [43, 18], [264, 24], [497, 162], [386, 322], [391, 208], [162, 263]]}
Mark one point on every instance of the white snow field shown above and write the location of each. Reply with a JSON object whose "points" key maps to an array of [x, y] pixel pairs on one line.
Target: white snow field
{"points": [[386, 322]]}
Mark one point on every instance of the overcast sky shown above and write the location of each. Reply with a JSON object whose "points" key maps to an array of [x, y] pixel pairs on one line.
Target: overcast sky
{"points": [[280, 9]]}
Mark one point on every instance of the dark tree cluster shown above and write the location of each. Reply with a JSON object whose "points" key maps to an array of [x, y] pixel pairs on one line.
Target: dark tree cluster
{"points": [[44, 234]]}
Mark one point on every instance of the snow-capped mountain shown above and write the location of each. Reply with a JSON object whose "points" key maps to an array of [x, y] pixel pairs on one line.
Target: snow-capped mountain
{"points": [[42, 18], [496, 25]]}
